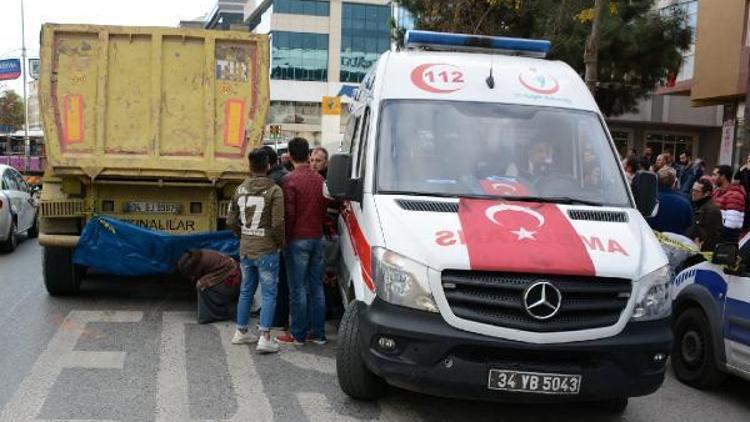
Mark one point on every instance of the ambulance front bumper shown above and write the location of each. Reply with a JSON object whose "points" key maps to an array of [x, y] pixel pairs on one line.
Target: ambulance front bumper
{"points": [[427, 355]]}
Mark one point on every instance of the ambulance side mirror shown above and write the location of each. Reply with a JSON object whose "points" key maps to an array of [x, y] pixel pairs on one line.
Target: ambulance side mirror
{"points": [[340, 185], [645, 190]]}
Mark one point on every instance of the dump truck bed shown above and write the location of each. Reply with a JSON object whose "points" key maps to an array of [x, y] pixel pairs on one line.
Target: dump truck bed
{"points": [[148, 102]]}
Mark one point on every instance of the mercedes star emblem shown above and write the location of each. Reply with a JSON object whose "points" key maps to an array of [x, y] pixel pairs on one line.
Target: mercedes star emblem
{"points": [[542, 300]]}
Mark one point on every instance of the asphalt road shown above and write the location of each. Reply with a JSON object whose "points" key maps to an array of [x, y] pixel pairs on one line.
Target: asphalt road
{"points": [[129, 349]]}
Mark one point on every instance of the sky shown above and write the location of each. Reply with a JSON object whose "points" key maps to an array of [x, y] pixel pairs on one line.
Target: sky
{"points": [[105, 12]]}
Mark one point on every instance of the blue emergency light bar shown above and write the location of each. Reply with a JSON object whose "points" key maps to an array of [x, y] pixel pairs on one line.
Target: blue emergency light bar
{"points": [[444, 41]]}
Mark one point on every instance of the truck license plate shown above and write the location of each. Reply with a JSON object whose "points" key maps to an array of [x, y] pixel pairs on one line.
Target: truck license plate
{"points": [[534, 382], [153, 207]]}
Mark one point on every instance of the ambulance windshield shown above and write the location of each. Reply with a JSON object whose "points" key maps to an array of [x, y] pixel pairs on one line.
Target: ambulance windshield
{"points": [[461, 149]]}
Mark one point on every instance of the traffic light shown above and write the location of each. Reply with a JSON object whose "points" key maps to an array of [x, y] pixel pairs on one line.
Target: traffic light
{"points": [[275, 131]]}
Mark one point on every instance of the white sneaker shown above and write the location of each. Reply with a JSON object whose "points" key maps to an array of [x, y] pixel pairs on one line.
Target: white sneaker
{"points": [[267, 346], [244, 338]]}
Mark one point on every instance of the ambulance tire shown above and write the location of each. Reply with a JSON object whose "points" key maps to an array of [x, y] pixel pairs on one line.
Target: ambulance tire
{"points": [[693, 357], [61, 276], [354, 378], [613, 406]]}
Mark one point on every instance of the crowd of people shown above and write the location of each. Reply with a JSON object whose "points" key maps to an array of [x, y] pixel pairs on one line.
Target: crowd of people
{"points": [[288, 247], [707, 208]]}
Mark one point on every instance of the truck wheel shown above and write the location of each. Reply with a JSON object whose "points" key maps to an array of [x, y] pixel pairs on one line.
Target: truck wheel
{"points": [[9, 245], [614, 406], [33, 231], [61, 276], [693, 358], [354, 378]]}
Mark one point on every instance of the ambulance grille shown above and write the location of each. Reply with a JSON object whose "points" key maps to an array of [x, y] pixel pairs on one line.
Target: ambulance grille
{"points": [[602, 216], [497, 299], [428, 206]]}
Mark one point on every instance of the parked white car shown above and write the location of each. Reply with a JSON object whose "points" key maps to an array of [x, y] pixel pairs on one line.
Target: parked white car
{"points": [[18, 209]]}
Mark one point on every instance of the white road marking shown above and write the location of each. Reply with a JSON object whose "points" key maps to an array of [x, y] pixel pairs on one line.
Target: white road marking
{"points": [[172, 395], [31, 394], [322, 364], [317, 408]]}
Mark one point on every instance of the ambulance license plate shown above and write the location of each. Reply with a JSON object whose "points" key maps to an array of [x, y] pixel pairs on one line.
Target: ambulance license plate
{"points": [[153, 207], [534, 382]]}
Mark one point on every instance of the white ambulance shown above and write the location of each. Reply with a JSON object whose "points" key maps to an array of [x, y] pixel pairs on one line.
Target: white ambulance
{"points": [[491, 246]]}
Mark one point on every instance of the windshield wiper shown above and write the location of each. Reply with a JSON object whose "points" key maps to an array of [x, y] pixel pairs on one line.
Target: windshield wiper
{"points": [[553, 200], [550, 199]]}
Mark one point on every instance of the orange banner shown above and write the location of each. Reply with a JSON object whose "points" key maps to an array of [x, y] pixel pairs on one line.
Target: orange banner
{"points": [[234, 123], [73, 109]]}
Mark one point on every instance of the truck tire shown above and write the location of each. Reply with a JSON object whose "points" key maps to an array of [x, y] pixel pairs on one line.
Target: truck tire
{"points": [[9, 245], [33, 231], [693, 357], [61, 276], [354, 378]]}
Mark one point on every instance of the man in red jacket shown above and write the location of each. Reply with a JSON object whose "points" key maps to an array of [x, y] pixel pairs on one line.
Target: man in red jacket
{"points": [[731, 201], [305, 208]]}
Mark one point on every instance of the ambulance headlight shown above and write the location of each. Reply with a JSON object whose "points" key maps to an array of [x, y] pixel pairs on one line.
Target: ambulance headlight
{"points": [[653, 300], [401, 281]]}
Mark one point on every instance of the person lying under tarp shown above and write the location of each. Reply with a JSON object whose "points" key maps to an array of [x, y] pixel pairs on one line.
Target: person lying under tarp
{"points": [[217, 281]]}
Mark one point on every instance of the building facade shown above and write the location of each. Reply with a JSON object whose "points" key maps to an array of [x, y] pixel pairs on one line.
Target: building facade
{"points": [[720, 77], [320, 51], [667, 121]]}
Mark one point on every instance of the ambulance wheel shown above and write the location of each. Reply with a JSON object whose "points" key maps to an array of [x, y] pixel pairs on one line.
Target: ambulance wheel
{"points": [[693, 357], [9, 245], [354, 378], [61, 276], [614, 406]]}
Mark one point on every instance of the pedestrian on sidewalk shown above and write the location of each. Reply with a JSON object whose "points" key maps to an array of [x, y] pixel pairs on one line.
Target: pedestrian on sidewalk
{"points": [[305, 213], [256, 214], [731, 201], [706, 215], [675, 214]]}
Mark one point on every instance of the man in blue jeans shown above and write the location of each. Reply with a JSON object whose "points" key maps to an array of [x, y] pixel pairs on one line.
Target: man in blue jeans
{"points": [[256, 214], [305, 208]]}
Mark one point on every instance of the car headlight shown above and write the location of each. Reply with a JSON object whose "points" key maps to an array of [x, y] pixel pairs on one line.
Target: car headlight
{"points": [[653, 301], [401, 281]]}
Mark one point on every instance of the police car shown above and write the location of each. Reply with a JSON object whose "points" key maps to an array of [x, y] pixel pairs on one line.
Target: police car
{"points": [[491, 248], [711, 314]]}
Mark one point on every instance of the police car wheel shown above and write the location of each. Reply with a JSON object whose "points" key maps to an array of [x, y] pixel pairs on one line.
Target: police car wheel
{"points": [[61, 276], [354, 378], [693, 358], [10, 242]]}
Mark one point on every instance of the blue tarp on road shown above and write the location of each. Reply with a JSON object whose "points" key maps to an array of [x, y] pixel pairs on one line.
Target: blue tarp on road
{"points": [[120, 248]]}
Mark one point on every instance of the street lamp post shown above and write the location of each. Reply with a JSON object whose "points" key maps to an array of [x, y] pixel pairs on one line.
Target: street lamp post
{"points": [[26, 141]]}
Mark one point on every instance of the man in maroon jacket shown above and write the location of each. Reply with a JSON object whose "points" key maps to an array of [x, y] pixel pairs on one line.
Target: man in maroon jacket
{"points": [[305, 208], [731, 201]]}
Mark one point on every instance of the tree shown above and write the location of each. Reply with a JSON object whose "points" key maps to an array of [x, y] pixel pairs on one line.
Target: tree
{"points": [[639, 47], [11, 110]]}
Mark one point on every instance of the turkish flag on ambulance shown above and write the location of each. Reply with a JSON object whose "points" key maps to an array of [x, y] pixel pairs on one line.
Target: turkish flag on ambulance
{"points": [[522, 237]]}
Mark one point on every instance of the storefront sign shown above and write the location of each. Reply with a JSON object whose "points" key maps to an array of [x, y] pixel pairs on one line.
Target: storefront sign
{"points": [[727, 142]]}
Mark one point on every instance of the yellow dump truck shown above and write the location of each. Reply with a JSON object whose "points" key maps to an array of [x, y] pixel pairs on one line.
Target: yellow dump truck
{"points": [[144, 124]]}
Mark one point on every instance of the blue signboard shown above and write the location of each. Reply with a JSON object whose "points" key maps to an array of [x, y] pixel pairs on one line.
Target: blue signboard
{"points": [[10, 69]]}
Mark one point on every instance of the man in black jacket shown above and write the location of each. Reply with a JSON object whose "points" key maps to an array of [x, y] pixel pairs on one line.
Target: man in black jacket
{"points": [[706, 214]]}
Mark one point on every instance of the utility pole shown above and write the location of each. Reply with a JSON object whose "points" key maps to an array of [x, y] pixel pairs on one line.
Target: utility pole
{"points": [[591, 54], [26, 141]]}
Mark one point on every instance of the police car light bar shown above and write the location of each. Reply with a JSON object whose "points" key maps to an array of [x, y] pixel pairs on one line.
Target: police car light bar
{"points": [[444, 41]]}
